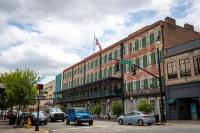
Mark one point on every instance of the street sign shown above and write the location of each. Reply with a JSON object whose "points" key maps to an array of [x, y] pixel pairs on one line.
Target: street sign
{"points": [[40, 98], [125, 62]]}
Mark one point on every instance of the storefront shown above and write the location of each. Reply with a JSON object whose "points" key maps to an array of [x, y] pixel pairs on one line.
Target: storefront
{"points": [[183, 101]]}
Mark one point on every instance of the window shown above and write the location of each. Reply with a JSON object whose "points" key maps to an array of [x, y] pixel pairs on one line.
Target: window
{"points": [[136, 45], [105, 59], [146, 84], [140, 43], [141, 62], [138, 85], [148, 40], [185, 69], [133, 46], [196, 61], [152, 38], [171, 70], [144, 42], [145, 61], [115, 54], [110, 71], [110, 56], [134, 85], [153, 58], [129, 47], [125, 49]]}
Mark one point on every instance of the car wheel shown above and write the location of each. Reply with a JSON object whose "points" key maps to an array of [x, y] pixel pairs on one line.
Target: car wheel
{"points": [[120, 121], [67, 122], [45, 123], [77, 122], [140, 122], [149, 124], [91, 123], [63, 120]]}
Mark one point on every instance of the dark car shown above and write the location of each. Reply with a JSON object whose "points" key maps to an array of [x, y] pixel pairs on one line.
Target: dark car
{"points": [[42, 119]]}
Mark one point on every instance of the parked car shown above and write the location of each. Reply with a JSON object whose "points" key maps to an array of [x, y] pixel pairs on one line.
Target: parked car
{"points": [[79, 115], [42, 119], [54, 114], [136, 117]]}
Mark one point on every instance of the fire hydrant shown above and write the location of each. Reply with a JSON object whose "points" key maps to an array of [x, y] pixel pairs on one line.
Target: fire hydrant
{"points": [[28, 122]]}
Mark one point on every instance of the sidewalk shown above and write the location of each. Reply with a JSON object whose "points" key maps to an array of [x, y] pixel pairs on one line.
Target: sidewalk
{"points": [[6, 128], [185, 122]]}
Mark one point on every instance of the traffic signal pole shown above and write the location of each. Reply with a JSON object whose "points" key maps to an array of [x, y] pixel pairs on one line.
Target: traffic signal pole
{"points": [[158, 78]]}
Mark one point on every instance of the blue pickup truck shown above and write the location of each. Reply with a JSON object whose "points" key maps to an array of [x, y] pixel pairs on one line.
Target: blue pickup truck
{"points": [[78, 115]]}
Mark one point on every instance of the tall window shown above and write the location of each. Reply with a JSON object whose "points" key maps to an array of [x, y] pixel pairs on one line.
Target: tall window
{"points": [[196, 61], [185, 68], [171, 70]]}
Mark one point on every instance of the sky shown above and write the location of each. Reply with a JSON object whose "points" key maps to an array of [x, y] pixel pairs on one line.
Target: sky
{"points": [[48, 36]]}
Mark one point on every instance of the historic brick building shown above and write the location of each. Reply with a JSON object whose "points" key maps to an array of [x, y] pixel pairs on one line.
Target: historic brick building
{"points": [[94, 79]]}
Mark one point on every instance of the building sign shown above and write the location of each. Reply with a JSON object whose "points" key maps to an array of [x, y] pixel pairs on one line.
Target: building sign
{"points": [[40, 98]]}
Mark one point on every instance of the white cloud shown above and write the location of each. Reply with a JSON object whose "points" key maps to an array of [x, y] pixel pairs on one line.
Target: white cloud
{"points": [[66, 28]]}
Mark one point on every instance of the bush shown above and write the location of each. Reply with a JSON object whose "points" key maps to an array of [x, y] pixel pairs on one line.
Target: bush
{"points": [[144, 106], [96, 109], [117, 108]]}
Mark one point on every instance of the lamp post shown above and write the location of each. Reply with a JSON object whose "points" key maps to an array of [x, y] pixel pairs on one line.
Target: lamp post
{"points": [[39, 87], [108, 104], [161, 88]]}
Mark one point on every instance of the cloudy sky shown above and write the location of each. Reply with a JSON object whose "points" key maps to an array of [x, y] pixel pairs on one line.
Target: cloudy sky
{"points": [[50, 35]]}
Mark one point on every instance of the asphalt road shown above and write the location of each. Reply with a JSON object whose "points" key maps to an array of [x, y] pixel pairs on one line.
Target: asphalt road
{"points": [[113, 127]]}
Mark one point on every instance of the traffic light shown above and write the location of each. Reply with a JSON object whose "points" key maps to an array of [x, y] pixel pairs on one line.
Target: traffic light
{"points": [[117, 66], [133, 70]]}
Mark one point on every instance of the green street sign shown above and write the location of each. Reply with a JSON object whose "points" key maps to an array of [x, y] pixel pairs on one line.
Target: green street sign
{"points": [[125, 62]]}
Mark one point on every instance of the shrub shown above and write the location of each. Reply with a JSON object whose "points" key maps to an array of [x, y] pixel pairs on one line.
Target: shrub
{"points": [[144, 106], [96, 109], [117, 108]]}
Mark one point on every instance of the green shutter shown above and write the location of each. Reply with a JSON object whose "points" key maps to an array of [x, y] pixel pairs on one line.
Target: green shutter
{"points": [[145, 61], [152, 38], [137, 85], [144, 42], [161, 56], [153, 58], [136, 45], [146, 84]]}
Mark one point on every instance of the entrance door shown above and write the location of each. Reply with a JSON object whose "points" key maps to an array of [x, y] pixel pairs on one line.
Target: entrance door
{"points": [[194, 111]]}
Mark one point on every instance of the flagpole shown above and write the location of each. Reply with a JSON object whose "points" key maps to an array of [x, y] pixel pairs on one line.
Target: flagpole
{"points": [[94, 43]]}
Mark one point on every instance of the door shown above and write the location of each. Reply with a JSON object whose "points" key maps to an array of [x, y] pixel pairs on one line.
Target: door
{"points": [[194, 111]]}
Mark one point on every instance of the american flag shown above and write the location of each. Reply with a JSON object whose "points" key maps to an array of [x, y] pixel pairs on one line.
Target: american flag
{"points": [[98, 44]]}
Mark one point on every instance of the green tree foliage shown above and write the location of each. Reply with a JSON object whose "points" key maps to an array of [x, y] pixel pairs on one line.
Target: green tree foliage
{"points": [[96, 109], [117, 108], [144, 106], [20, 86]]}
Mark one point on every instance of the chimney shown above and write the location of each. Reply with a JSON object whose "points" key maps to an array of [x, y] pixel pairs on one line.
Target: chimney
{"points": [[170, 20], [189, 26]]}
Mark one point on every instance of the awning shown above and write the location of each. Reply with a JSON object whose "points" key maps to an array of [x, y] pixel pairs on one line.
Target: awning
{"points": [[171, 101]]}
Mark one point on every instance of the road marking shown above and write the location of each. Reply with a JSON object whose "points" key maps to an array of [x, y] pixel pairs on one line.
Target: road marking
{"points": [[78, 128]]}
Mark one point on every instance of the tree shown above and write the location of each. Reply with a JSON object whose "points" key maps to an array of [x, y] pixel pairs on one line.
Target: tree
{"points": [[20, 87], [144, 106], [117, 108], [96, 109]]}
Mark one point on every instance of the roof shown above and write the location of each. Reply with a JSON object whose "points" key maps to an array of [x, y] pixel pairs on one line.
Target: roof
{"points": [[182, 48]]}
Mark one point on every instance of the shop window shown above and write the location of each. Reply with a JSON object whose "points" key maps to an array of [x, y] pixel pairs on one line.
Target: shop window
{"points": [[171, 70], [185, 69], [196, 61]]}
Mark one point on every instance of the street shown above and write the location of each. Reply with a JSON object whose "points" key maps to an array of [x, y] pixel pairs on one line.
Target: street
{"points": [[113, 127]]}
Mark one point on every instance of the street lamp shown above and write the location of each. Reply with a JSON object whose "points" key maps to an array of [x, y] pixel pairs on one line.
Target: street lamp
{"points": [[108, 104], [160, 85], [39, 87]]}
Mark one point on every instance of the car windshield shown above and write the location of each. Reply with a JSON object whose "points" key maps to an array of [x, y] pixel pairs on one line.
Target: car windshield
{"points": [[80, 110], [56, 110], [40, 114]]}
